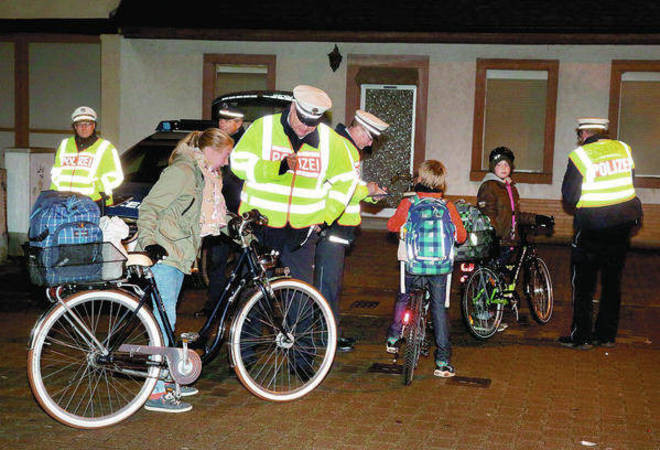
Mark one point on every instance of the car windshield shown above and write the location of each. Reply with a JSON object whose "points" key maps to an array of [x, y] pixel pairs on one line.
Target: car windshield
{"points": [[143, 162]]}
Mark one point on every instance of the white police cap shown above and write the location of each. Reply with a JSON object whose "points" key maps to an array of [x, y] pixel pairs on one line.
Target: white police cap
{"points": [[372, 124], [311, 102], [83, 113], [587, 123]]}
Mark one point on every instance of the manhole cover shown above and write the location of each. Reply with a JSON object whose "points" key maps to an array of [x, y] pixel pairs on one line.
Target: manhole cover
{"points": [[471, 382], [364, 304], [393, 369]]}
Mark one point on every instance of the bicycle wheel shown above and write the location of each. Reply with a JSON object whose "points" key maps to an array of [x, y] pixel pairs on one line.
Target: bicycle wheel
{"points": [[66, 376], [414, 337], [482, 306], [538, 288], [282, 349]]}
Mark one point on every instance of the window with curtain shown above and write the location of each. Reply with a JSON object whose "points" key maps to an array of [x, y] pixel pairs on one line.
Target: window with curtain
{"points": [[635, 115], [515, 107]]}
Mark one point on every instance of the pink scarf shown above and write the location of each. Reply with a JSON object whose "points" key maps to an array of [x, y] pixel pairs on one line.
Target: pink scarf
{"points": [[513, 205], [213, 211]]}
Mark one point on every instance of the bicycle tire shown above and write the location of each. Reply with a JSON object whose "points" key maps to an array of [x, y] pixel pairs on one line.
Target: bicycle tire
{"points": [[538, 289], [414, 337], [62, 371], [481, 315], [280, 366]]}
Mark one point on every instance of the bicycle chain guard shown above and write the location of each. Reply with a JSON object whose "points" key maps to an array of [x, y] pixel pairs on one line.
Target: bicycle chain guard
{"points": [[183, 372]]}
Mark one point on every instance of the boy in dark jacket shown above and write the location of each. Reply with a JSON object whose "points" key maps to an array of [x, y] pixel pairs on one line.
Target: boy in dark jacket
{"points": [[429, 183], [498, 198]]}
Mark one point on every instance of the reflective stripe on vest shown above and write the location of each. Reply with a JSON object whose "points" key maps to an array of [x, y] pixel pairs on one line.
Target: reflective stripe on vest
{"points": [[606, 167], [351, 215], [299, 198], [77, 171]]}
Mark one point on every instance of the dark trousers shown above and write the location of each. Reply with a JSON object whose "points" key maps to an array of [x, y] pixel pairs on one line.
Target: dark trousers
{"points": [[296, 247], [218, 252], [329, 265], [439, 314], [593, 252]]}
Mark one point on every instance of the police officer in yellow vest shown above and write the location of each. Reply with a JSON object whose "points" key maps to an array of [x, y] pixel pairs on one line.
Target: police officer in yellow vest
{"points": [[86, 163], [331, 248], [298, 173], [599, 184]]}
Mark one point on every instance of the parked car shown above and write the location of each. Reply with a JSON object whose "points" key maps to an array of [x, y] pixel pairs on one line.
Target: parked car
{"points": [[143, 162]]}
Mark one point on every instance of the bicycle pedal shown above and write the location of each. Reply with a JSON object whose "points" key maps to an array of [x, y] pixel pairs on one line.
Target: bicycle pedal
{"points": [[190, 336]]}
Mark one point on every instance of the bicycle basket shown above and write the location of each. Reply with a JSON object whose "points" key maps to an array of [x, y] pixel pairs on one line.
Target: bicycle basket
{"points": [[74, 263]]}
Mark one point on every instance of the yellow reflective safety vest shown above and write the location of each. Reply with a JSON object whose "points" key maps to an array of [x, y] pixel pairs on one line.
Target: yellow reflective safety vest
{"points": [[606, 167], [89, 172], [299, 197], [351, 216]]}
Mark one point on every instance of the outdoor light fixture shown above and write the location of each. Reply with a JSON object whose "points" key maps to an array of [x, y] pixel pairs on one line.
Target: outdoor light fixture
{"points": [[335, 58]]}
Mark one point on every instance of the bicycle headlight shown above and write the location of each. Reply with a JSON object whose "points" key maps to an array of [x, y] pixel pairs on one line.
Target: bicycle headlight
{"points": [[268, 261]]}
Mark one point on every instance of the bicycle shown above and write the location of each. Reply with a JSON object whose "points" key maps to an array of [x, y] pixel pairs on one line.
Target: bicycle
{"points": [[492, 286], [415, 326], [96, 355]]}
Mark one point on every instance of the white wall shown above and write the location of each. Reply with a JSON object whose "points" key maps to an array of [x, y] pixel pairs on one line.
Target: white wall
{"points": [[162, 79]]}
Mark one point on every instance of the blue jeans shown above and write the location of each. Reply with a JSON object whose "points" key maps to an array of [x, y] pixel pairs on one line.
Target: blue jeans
{"points": [[439, 314], [168, 281]]}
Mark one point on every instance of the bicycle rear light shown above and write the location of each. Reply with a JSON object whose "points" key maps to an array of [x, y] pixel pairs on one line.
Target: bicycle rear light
{"points": [[406, 318], [467, 267]]}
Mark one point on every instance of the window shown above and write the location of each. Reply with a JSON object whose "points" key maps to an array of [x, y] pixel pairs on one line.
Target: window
{"points": [[635, 115], [234, 72], [515, 106]]}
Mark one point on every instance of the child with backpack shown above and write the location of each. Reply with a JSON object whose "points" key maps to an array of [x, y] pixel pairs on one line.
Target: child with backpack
{"points": [[428, 196]]}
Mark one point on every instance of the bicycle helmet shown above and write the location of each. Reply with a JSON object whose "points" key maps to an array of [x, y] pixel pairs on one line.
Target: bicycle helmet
{"points": [[498, 154]]}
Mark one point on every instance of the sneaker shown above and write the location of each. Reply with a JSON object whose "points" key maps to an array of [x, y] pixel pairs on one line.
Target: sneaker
{"points": [[186, 391], [444, 370], [603, 343], [168, 404], [503, 326], [568, 342], [392, 345], [345, 344]]}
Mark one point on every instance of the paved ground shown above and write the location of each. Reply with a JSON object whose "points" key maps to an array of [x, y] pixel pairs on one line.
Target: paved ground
{"points": [[533, 399]]}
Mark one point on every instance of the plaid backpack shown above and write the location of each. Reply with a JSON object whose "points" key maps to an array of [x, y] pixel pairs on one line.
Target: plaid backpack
{"points": [[429, 237], [480, 233]]}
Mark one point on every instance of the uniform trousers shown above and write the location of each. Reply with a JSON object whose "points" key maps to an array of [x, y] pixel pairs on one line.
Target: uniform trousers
{"points": [[594, 252]]}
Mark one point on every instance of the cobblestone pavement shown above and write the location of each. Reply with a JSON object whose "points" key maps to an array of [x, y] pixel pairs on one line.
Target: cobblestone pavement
{"points": [[540, 395]]}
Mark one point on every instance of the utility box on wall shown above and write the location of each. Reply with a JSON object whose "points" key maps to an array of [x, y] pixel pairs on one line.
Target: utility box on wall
{"points": [[28, 173]]}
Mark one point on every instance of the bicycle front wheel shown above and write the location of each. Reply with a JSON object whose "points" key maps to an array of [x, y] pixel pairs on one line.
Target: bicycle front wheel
{"points": [[538, 288], [482, 305], [283, 347], [414, 337], [68, 375]]}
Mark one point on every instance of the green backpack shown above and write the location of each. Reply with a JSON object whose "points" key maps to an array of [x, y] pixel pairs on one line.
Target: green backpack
{"points": [[480, 233]]}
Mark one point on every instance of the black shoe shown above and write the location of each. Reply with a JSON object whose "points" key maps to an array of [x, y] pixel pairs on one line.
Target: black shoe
{"points": [[603, 343], [568, 342], [345, 344]]}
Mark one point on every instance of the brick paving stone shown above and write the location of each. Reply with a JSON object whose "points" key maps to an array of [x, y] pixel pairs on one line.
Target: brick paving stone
{"points": [[534, 398]]}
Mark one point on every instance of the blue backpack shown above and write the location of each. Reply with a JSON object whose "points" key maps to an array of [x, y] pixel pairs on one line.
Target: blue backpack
{"points": [[429, 237], [65, 240]]}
